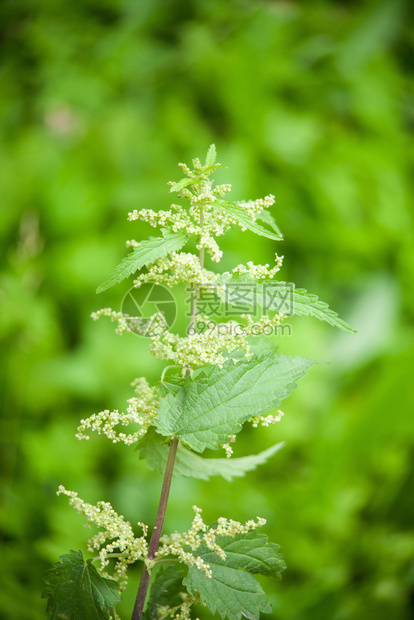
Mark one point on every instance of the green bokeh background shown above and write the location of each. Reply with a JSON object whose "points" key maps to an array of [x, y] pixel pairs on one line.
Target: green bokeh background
{"points": [[310, 101]]}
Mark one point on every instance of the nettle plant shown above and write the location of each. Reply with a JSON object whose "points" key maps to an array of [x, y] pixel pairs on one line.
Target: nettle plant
{"points": [[220, 376]]}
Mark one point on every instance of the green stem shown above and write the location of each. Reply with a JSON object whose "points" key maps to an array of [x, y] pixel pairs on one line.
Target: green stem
{"points": [[156, 534]]}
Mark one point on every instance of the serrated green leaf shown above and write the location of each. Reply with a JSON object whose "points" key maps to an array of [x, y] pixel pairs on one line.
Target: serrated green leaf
{"points": [[77, 591], [176, 187], [236, 211], [232, 590], [165, 590], [205, 411], [146, 253], [211, 156], [192, 465], [279, 297]]}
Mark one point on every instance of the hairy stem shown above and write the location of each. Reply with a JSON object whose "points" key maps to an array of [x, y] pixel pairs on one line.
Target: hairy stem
{"points": [[165, 491], [156, 534]]}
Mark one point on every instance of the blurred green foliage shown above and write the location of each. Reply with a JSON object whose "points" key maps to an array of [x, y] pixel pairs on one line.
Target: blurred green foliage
{"points": [[311, 101]]}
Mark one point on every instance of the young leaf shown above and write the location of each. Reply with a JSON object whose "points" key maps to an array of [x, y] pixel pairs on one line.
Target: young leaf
{"points": [[211, 156], [232, 590], [279, 297], [205, 411], [77, 591], [235, 210], [176, 187], [146, 253], [165, 590], [192, 465]]}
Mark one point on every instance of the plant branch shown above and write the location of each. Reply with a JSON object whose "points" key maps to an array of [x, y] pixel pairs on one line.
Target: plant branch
{"points": [[156, 534]]}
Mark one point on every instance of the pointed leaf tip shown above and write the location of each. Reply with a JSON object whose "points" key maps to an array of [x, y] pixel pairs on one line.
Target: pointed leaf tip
{"points": [[145, 254], [211, 156], [236, 211], [278, 296]]}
